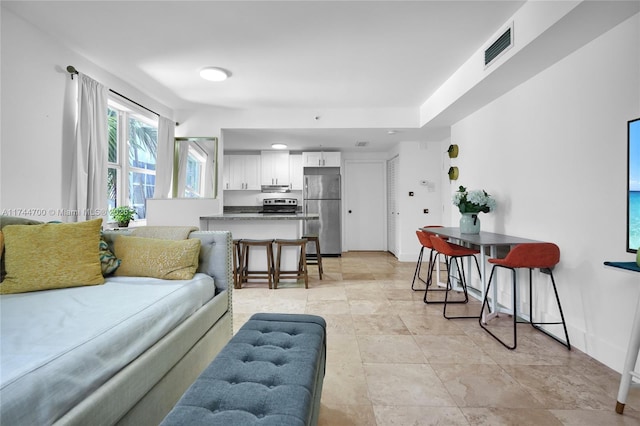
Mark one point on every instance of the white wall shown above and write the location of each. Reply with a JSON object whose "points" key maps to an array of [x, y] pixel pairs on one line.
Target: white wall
{"points": [[38, 98], [553, 153], [418, 161]]}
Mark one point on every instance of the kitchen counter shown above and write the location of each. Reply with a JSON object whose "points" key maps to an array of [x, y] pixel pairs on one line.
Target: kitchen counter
{"points": [[258, 226], [261, 216]]}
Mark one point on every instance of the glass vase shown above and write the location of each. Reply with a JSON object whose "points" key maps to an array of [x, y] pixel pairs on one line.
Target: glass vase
{"points": [[470, 223]]}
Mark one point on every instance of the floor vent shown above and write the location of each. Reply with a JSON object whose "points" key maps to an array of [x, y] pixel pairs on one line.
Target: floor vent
{"points": [[503, 42]]}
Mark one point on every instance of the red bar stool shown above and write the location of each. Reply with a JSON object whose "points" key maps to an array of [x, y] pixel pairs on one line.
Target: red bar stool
{"points": [[453, 252], [425, 242], [543, 256]]}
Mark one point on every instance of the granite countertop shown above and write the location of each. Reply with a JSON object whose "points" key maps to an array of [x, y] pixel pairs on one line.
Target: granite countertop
{"points": [[262, 216]]}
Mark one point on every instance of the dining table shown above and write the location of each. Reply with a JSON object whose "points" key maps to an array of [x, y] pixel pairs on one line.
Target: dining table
{"points": [[484, 240]]}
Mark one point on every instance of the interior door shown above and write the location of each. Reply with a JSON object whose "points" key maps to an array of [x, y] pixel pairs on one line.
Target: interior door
{"points": [[364, 205]]}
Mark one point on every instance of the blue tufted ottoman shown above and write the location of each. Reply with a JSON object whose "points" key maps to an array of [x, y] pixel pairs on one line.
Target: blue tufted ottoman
{"points": [[269, 373]]}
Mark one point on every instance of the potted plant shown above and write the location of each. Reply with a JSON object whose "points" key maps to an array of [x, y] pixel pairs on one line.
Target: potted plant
{"points": [[122, 215], [470, 203]]}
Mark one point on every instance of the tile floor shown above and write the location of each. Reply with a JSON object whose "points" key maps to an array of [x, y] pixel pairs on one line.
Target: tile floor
{"points": [[392, 360]]}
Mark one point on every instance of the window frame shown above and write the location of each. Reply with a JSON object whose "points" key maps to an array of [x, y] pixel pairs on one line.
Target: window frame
{"points": [[126, 110]]}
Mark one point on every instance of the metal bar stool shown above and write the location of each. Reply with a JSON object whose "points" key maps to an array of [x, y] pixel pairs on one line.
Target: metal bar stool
{"points": [[425, 242], [237, 263], [301, 272], [246, 274], [314, 259], [542, 256], [452, 253]]}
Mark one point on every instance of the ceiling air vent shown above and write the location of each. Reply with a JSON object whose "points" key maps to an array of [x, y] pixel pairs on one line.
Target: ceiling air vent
{"points": [[362, 143], [502, 43]]}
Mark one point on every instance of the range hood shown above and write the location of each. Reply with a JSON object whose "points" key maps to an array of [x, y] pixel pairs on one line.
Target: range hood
{"points": [[275, 188]]}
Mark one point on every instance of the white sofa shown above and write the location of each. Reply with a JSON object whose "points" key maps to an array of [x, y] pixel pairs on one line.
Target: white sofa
{"points": [[145, 390]]}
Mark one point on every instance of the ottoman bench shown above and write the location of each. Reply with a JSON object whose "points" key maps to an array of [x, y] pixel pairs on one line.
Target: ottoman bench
{"points": [[269, 373]]}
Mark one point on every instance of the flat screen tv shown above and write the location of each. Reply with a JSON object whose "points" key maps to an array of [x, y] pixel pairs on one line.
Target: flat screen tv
{"points": [[633, 185]]}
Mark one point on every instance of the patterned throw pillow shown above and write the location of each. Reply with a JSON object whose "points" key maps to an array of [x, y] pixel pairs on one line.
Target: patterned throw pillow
{"points": [[108, 261], [156, 258], [51, 255]]}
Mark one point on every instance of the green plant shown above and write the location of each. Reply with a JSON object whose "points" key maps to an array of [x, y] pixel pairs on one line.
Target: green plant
{"points": [[475, 201], [122, 214]]}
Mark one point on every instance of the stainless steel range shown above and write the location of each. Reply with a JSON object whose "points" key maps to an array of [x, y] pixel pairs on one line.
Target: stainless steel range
{"points": [[280, 205]]}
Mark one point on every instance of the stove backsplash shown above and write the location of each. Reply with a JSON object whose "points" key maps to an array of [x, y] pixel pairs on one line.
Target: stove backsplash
{"points": [[255, 198]]}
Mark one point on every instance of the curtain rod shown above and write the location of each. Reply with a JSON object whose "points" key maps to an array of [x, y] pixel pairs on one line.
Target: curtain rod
{"points": [[73, 71]]}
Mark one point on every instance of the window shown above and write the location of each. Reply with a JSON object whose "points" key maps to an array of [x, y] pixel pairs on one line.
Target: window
{"points": [[133, 143], [196, 161]]}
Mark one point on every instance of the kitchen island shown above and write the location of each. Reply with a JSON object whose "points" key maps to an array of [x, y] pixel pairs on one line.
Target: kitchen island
{"points": [[259, 226]]}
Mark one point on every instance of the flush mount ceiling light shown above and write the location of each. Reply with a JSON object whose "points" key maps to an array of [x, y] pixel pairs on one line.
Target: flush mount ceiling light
{"points": [[278, 146], [214, 74]]}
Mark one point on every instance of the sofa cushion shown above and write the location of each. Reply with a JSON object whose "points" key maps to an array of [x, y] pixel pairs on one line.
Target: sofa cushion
{"points": [[152, 257], [51, 255]]}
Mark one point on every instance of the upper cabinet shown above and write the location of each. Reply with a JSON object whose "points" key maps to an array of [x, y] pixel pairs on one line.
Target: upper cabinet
{"points": [[275, 168], [321, 159], [295, 171], [241, 171]]}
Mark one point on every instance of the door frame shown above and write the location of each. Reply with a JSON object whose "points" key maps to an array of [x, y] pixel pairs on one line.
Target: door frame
{"points": [[345, 198]]}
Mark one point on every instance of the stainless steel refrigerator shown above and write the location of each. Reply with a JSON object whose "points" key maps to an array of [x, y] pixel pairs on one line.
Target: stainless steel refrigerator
{"points": [[321, 195]]}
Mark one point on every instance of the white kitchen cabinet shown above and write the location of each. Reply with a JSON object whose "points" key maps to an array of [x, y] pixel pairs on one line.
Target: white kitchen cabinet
{"points": [[275, 168], [241, 171], [295, 171], [321, 159]]}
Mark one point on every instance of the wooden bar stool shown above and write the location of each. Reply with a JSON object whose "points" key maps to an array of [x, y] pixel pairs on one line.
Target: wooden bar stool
{"points": [[247, 274], [314, 259], [453, 253], [237, 263], [301, 272], [542, 256]]}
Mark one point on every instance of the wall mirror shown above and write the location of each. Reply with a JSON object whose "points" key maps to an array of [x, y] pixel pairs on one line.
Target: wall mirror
{"points": [[195, 167]]}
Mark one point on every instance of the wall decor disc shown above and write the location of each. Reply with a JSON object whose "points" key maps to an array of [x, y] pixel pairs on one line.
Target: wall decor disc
{"points": [[453, 173]]}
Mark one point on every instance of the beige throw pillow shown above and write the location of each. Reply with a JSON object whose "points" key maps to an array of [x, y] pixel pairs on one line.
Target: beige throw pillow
{"points": [[51, 255], [156, 258]]}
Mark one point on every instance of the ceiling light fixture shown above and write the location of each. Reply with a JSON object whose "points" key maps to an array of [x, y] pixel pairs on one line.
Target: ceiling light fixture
{"points": [[278, 146], [214, 74]]}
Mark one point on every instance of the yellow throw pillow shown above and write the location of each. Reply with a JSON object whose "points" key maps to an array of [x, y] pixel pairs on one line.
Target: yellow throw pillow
{"points": [[51, 255], [156, 258]]}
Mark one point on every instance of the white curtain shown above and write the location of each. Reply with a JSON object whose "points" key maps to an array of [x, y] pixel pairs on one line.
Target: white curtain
{"points": [[183, 154], [88, 197], [164, 159]]}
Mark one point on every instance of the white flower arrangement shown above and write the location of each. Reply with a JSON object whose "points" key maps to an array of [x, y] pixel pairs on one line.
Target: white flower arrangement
{"points": [[475, 201]]}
